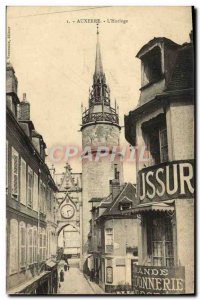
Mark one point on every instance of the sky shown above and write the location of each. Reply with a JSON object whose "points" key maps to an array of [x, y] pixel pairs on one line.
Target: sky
{"points": [[54, 58]]}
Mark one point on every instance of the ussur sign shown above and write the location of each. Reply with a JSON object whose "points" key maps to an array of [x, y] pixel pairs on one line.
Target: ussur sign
{"points": [[158, 280], [167, 181]]}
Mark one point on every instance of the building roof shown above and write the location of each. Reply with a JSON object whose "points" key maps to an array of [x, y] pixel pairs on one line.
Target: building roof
{"points": [[98, 62], [106, 202], [127, 194], [183, 72], [95, 199], [154, 41]]}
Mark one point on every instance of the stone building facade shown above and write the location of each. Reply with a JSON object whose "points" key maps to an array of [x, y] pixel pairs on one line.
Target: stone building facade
{"points": [[163, 123], [30, 201], [113, 246]]}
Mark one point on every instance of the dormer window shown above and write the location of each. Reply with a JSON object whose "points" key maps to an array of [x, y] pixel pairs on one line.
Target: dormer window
{"points": [[155, 134], [125, 206], [151, 66]]}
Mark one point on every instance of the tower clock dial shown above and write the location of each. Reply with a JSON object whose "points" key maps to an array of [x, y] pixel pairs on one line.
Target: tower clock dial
{"points": [[67, 211]]}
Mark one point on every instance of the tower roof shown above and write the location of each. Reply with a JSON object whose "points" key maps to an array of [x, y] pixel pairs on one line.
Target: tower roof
{"points": [[98, 63]]}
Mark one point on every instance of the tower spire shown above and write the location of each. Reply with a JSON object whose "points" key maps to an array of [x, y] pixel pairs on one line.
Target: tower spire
{"points": [[98, 62]]}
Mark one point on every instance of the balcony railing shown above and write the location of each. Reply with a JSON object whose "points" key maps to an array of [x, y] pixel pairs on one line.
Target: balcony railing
{"points": [[93, 117]]}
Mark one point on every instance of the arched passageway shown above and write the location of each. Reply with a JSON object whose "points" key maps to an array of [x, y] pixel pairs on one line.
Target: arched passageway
{"points": [[69, 240]]}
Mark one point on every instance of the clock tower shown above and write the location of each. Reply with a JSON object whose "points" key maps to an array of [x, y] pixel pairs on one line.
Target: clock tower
{"points": [[100, 128], [69, 208]]}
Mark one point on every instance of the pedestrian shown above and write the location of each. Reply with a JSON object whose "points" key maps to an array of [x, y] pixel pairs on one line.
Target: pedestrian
{"points": [[65, 267], [92, 275], [62, 276]]}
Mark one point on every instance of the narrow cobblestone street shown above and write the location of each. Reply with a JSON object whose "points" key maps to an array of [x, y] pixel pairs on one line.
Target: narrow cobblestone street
{"points": [[76, 283]]}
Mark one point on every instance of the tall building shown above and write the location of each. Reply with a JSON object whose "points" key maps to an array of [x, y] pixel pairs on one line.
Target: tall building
{"points": [[100, 128], [30, 202], [163, 122]]}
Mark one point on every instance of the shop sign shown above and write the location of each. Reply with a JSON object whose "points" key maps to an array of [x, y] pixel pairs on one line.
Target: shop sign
{"points": [[109, 275], [167, 181], [158, 280]]}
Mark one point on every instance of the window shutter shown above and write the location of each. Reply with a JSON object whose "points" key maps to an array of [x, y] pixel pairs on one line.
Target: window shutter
{"points": [[41, 242], [15, 172], [35, 245], [22, 240], [35, 193], [42, 196], [14, 246], [30, 245], [30, 188], [23, 182]]}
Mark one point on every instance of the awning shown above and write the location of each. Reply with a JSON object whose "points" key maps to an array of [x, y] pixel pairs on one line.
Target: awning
{"points": [[153, 206], [21, 289]]}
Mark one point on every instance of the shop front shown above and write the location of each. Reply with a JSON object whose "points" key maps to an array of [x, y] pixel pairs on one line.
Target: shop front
{"points": [[166, 229]]}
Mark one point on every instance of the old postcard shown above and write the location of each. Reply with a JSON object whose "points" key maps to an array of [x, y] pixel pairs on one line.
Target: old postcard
{"points": [[100, 150]]}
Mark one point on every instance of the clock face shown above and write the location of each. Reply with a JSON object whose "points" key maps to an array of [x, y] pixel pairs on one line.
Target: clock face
{"points": [[67, 211]]}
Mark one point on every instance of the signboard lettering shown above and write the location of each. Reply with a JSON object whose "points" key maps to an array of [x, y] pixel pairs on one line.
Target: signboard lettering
{"points": [[166, 181], [158, 280]]}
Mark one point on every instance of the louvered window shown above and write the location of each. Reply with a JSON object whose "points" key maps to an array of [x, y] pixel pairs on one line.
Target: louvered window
{"points": [[30, 245], [22, 244], [35, 193], [34, 244], [14, 246], [15, 173], [30, 188], [23, 182]]}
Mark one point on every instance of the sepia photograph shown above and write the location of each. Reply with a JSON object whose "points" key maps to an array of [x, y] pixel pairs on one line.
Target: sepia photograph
{"points": [[100, 150]]}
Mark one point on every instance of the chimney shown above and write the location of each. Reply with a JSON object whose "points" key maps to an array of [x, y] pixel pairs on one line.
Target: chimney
{"points": [[11, 79], [24, 113], [115, 184]]}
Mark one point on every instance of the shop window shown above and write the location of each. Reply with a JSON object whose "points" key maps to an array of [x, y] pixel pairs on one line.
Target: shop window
{"points": [[23, 182], [14, 246], [109, 240], [22, 245], [151, 66], [155, 133], [160, 241], [30, 188], [15, 173]]}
